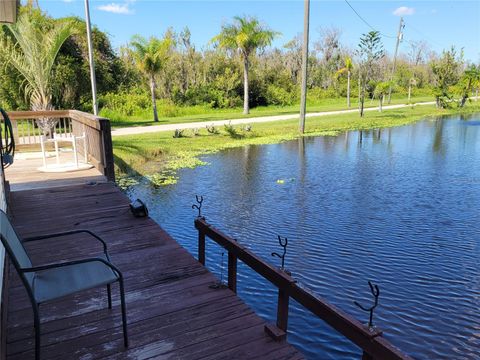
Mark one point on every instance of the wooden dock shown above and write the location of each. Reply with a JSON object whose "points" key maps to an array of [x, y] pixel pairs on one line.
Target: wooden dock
{"points": [[172, 311]]}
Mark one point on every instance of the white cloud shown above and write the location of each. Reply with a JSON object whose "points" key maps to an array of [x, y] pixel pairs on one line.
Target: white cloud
{"points": [[404, 10], [117, 8]]}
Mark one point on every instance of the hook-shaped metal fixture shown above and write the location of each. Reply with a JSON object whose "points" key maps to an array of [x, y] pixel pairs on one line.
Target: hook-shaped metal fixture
{"points": [[198, 206], [283, 243], [376, 293]]}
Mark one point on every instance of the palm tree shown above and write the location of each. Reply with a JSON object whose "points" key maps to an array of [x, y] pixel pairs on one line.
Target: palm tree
{"points": [[150, 57], [381, 89], [347, 69], [245, 35], [32, 51]]}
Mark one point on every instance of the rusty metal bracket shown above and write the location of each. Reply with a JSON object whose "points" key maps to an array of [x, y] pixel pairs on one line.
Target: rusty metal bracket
{"points": [[376, 294], [198, 206], [283, 243]]}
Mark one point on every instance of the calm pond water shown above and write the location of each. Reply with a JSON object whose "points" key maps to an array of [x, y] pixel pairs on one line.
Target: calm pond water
{"points": [[398, 206]]}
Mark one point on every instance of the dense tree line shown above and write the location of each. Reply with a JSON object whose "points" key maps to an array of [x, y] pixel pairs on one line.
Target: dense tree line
{"points": [[68, 77], [172, 69]]}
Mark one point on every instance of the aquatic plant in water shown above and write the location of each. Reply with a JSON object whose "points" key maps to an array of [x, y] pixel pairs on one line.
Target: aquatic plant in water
{"points": [[161, 179], [125, 181]]}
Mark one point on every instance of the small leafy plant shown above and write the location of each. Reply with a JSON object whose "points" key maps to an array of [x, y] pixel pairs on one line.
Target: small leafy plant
{"points": [[232, 131], [212, 130], [178, 133]]}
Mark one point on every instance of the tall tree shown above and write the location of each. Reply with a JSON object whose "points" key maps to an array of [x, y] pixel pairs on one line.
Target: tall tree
{"points": [[293, 57], [370, 51], [33, 49], [150, 57], [330, 47], [245, 35], [469, 81], [71, 72], [446, 71], [416, 55]]}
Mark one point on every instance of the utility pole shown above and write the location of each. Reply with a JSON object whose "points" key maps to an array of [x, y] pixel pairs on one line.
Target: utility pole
{"points": [[90, 58], [399, 39], [303, 98]]}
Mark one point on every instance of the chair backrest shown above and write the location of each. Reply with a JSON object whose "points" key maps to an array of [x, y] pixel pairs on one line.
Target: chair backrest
{"points": [[14, 247]]}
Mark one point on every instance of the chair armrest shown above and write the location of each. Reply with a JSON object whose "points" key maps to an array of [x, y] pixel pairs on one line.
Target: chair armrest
{"points": [[65, 233], [74, 262]]}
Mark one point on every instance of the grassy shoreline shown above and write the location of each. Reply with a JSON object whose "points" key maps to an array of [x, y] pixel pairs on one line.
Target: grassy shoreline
{"points": [[158, 156], [171, 114]]}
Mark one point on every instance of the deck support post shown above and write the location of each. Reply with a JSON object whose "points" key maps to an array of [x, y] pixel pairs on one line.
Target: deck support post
{"points": [[366, 356], [278, 331], [232, 272], [201, 248], [282, 310]]}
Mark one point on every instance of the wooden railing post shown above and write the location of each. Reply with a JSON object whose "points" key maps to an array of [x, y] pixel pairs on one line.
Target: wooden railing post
{"points": [[16, 138], [282, 310], [201, 247], [232, 272], [278, 332], [107, 149]]}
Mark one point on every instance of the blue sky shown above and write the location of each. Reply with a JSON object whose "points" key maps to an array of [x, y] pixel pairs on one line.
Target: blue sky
{"points": [[440, 23]]}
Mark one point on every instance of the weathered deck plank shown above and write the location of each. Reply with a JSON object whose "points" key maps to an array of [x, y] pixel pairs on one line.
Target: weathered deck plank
{"points": [[172, 312]]}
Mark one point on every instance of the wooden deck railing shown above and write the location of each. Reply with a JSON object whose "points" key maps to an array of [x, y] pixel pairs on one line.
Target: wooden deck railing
{"points": [[374, 346], [97, 131]]}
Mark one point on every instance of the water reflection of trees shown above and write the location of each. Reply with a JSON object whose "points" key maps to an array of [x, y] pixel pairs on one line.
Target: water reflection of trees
{"points": [[438, 143]]}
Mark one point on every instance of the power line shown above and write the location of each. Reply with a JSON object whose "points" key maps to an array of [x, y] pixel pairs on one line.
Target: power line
{"points": [[423, 35], [367, 23]]}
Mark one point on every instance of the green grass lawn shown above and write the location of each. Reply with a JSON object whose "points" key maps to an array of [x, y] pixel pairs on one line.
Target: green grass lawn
{"points": [[160, 155], [204, 113]]}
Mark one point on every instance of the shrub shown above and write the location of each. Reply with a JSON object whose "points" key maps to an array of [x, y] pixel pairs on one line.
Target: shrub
{"points": [[126, 103], [317, 93], [276, 95], [167, 109]]}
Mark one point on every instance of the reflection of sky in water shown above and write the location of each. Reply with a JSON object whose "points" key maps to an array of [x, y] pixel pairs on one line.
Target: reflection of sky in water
{"points": [[398, 206]]}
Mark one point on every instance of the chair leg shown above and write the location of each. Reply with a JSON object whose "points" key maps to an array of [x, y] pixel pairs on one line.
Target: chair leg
{"points": [[124, 311], [36, 323], [109, 292]]}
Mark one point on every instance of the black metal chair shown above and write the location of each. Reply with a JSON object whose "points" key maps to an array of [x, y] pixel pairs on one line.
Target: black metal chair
{"points": [[52, 281]]}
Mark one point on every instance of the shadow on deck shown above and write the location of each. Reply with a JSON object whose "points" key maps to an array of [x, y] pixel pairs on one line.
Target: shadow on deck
{"points": [[172, 312]]}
